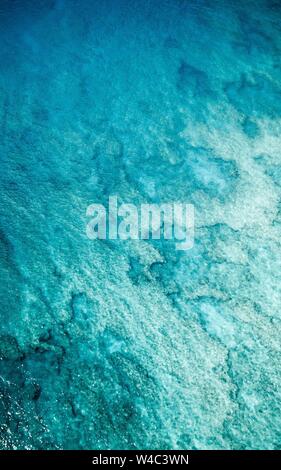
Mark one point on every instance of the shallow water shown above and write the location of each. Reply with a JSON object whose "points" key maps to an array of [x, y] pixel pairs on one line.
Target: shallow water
{"points": [[125, 345]]}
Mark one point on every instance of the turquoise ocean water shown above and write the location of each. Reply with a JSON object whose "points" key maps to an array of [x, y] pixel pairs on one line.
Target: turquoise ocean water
{"points": [[132, 344]]}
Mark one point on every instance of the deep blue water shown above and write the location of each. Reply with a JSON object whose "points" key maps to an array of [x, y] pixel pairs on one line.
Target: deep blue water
{"points": [[130, 345]]}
